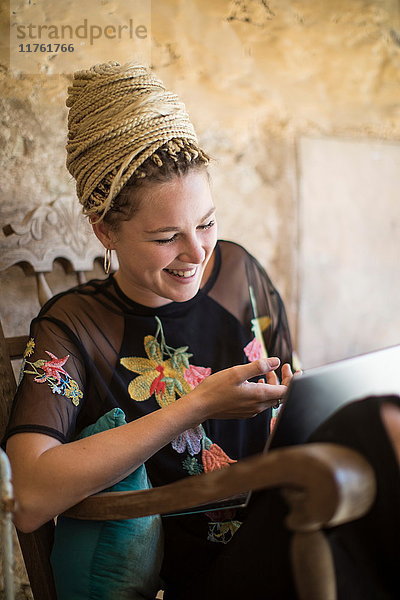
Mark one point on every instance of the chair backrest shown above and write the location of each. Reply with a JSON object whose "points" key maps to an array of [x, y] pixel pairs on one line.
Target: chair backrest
{"points": [[54, 231], [36, 546]]}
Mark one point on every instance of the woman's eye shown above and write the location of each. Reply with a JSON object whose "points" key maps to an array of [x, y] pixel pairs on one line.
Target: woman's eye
{"points": [[174, 237], [208, 225], [168, 240]]}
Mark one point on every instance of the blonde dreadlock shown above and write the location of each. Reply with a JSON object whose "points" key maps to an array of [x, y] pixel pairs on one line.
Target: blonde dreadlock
{"points": [[123, 126]]}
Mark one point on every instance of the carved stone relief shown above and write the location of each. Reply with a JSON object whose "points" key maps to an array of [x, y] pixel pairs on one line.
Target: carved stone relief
{"points": [[49, 231]]}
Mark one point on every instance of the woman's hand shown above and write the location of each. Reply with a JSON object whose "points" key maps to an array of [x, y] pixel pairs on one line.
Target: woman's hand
{"points": [[229, 395]]}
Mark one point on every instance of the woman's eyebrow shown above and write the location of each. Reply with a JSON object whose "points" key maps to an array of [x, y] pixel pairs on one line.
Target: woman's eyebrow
{"points": [[172, 228]]}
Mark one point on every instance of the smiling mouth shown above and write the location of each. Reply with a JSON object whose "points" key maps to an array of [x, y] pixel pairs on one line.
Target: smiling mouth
{"points": [[182, 274]]}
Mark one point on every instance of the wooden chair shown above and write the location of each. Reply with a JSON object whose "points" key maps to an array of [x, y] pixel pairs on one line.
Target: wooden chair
{"points": [[323, 484]]}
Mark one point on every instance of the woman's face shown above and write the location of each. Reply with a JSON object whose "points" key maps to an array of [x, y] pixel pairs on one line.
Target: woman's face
{"points": [[164, 249]]}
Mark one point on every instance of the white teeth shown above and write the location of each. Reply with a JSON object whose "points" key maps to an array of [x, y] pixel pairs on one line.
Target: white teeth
{"points": [[182, 273]]}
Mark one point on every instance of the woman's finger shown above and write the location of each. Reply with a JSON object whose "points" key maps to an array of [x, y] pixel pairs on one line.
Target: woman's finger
{"points": [[272, 378], [286, 374], [254, 369]]}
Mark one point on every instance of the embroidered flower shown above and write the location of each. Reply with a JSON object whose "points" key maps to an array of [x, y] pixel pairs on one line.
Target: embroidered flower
{"points": [[253, 350], [52, 368], [73, 392], [192, 465], [195, 375], [30, 348], [190, 440], [56, 389], [222, 532], [52, 372], [215, 458], [157, 376]]}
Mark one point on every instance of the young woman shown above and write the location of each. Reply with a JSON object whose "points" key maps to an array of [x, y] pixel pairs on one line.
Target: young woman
{"points": [[169, 338]]}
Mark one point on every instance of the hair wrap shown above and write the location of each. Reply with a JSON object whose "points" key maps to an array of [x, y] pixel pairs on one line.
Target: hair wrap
{"points": [[119, 116]]}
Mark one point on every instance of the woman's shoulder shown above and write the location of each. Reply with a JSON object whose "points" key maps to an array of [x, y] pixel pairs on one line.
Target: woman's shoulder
{"points": [[78, 299], [228, 249], [231, 246], [234, 253], [236, 259]]}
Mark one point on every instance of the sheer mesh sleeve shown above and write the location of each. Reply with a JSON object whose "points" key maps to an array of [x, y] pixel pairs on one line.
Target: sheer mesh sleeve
{"points": [[244, 289], [69, 363], [267, 308], [50, 394]]}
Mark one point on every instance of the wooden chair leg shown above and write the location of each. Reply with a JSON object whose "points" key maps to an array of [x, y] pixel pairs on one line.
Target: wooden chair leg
{"points": [[36, 549], [313, 567]]}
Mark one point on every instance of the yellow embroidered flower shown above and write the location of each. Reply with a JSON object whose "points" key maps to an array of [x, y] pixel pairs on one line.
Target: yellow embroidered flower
{"points": [[222, 532], [30, 348], [73, 392], [163, 378]]}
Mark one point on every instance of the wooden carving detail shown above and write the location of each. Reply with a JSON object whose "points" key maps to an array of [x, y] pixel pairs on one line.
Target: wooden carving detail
{"points": [[49, 231]]}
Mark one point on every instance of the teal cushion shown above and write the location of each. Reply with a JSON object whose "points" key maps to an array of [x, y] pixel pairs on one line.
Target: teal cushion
{"points": [[109, 560]]}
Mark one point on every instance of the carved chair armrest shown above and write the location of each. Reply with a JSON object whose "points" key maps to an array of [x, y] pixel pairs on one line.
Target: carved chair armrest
{"points": [[327, 483]]}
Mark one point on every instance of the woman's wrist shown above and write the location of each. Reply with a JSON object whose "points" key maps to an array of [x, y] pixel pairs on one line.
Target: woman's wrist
{"points": [[194, 407]]}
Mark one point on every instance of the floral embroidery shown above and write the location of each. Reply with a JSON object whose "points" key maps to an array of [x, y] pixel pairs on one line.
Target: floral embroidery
{"points": [[165, 378], [192, 465], [53, 369], [52, 372], [190, 440], [222, 532], [167, 374], [253, 350], [215, 458], [195, 375], [72, 391], [30, 348]]}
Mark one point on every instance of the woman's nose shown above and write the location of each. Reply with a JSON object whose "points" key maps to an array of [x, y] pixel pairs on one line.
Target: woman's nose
{"points": [[192, 252]]}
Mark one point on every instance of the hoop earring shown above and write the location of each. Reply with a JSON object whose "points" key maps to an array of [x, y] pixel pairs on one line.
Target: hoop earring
{"points": [[107, 261]]}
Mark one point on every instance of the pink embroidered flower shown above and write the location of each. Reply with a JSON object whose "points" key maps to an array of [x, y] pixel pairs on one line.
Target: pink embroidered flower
{"points": [[53, 368], [190, 439], [253, 350], [195, 375], [215, 458]]}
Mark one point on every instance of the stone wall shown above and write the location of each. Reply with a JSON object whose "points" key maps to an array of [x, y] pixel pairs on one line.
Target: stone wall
{"points": [[256, 76]]}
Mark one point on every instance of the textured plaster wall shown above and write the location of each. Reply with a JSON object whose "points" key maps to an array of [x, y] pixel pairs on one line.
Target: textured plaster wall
{"points": [[256, 76]]}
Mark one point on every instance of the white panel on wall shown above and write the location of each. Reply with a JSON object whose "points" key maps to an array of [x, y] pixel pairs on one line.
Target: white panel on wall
{"points": [[349, 248]]}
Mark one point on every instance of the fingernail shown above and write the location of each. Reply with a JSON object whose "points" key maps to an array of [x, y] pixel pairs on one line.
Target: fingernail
{"points": [[273, 362]]}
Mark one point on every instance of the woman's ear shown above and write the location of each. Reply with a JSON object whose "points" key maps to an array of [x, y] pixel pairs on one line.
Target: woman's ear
{"points": [[103, 232]]}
